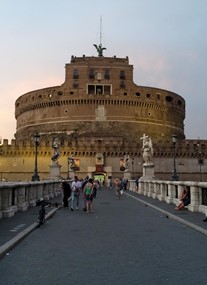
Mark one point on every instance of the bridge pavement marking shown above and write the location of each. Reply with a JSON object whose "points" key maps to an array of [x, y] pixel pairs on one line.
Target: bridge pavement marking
{"points": [[172, 216], [12, 242]]}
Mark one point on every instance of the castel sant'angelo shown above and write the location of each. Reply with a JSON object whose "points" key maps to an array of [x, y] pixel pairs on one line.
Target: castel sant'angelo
{"points": [[98, 116]]}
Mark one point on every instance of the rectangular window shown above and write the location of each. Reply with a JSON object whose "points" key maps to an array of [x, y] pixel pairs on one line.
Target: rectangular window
{"points": [[91, 89], [91, 74], [75, 83], [98, 89], [107, 74], [107, 89], [122, 75], [122, 84], [75, 74]]}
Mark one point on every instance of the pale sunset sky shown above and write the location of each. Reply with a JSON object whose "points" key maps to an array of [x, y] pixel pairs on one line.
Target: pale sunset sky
{"points": [[165, 40]]}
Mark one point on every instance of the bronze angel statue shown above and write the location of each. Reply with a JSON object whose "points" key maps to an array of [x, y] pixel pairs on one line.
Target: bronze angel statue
{"points": [[99, 49]]}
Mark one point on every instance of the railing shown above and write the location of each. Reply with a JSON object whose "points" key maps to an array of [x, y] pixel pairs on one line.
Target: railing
{"points": [[170, 191], [18, 196], [21, 195]]}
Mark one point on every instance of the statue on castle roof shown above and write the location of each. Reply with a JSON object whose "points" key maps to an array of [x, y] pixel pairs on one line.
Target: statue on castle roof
{"points": [[56, 150], [147, 149], [99, 49]]}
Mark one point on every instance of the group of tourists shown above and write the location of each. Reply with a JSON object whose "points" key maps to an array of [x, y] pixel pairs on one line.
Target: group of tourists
{"points": [[86, 188]]}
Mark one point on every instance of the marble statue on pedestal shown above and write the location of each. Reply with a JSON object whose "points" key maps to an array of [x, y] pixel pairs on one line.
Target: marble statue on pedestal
{"points": [[147, 149], [56, 150], [126, 162], [147, 153], [55, 167]]}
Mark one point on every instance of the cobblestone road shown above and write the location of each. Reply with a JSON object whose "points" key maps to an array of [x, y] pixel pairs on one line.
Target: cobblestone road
{"points": [[124, 242]]}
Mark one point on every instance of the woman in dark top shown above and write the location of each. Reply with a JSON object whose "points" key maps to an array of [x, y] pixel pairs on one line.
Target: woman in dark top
{"points": [[66, 193], [184, 199]]}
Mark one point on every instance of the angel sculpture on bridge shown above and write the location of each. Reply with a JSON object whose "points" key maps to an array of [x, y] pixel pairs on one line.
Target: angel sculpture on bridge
{"points": [[56, 149], [147, 149], [126, 162]]}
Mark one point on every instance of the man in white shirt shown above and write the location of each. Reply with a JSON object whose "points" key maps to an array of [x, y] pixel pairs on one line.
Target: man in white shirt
{"points": [[76, 186]]}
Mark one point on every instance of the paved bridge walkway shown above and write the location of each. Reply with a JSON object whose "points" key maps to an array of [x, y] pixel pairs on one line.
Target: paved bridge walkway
{"points": [[134, 240]]}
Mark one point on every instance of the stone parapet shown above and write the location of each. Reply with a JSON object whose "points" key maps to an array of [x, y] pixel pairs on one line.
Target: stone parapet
{"points": [[18, 196], [170, 191]]}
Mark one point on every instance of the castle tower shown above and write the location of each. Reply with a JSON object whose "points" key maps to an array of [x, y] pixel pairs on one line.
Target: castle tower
{"points": [[99, 98]]}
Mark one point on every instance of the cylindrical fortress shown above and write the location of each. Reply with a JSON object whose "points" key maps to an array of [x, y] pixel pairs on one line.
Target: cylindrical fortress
{"points": [[99, 98]]}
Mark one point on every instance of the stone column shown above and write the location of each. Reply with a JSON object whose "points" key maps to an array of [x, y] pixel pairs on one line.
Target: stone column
{"points": [[162, 194], [21, 199], [32, 197], [7, 209], [171, 193], [151, 189], [0, 205], [146, 185], [195, 193], [46, 191], [141, 187], [156, 190]]}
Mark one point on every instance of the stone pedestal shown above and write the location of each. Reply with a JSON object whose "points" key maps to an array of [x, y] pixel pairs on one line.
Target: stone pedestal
{"points": [[8, 213], [54, 171], [72, 174], [127, 174], [148, 172], [23, 206], [32, 203]]}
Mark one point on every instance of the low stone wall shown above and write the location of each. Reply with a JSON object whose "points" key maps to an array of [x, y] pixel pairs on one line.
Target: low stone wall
{"points": [[170, 191], [18, 196]]}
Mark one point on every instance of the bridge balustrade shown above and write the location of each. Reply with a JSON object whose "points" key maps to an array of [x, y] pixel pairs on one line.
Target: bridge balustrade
{"points": [[170, 191], [18, 196]]}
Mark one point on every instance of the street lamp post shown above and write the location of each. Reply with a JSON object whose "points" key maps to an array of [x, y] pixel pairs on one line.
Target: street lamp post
{"points": [[70, 164], [68, 167], [200, 160], [174, 176], [35, 176]]}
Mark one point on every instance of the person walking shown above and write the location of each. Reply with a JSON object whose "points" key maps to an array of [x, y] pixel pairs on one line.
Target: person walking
{"points": [[75, 194], [88, 191], [110, 184], [95, 188], [66, 193], [85, 181], [118, 187]]}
